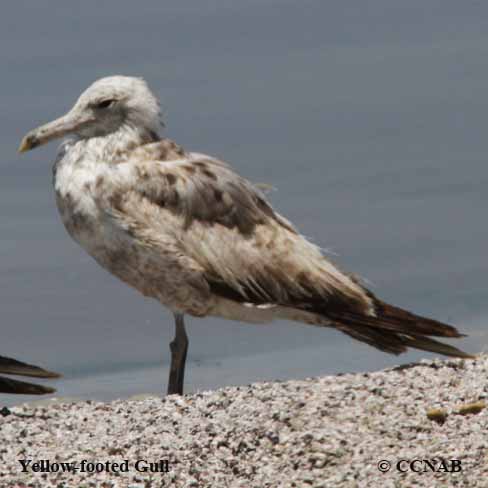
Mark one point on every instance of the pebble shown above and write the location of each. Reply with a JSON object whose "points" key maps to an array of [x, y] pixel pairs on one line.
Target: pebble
{"points": [[332, 431]]}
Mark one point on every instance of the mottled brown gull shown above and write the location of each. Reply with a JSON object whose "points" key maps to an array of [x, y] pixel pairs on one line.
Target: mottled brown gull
{"points": [[185, 229]]}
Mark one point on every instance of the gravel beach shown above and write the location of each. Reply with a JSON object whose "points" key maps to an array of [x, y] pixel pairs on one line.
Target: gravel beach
{"points": [[423, 424]]}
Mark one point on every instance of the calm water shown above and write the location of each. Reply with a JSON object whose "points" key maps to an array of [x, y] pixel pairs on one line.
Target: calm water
{"points": [[370, 118]]}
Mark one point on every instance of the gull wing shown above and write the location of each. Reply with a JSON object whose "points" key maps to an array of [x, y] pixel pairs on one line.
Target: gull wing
{"points": [[243, 249], [219, 229]]}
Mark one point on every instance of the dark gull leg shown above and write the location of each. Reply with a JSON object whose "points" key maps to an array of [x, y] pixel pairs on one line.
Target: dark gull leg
{"points": [[179, 348]]}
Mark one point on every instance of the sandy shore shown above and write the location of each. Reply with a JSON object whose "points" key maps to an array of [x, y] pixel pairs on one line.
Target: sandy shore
{"points": [[334, 431]]}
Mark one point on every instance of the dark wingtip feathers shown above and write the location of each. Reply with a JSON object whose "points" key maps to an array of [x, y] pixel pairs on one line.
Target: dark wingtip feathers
{"points": [[398, 317], [431, 345], [8, 385], [393, 330], [12, 366]]}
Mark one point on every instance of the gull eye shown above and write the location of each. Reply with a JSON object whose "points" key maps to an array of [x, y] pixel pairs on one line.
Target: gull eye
{"points": [[105, 103]]}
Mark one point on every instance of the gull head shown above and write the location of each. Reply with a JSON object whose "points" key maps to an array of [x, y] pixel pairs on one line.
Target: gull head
{"points": [[105, 107]]}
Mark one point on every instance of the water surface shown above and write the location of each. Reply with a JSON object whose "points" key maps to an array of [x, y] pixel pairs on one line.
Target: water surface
{"points": [[369, 118]]}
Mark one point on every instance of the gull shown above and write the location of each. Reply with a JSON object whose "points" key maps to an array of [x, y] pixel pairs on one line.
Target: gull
{"points": [[12, 366], [185, 229]]}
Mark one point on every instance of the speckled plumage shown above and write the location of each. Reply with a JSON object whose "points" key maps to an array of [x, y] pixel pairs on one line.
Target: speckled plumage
{"points": [[171, 228], [185, 229]]}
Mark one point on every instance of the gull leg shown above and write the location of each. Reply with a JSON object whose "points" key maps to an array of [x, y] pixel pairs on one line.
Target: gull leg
{"points": [[179, 348]]}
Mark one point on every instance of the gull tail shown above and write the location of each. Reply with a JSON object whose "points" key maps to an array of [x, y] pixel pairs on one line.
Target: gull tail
{"points": [[393, 330]]}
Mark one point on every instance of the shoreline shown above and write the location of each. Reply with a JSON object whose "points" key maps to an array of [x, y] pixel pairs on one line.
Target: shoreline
{"points": [[322, 432]]}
